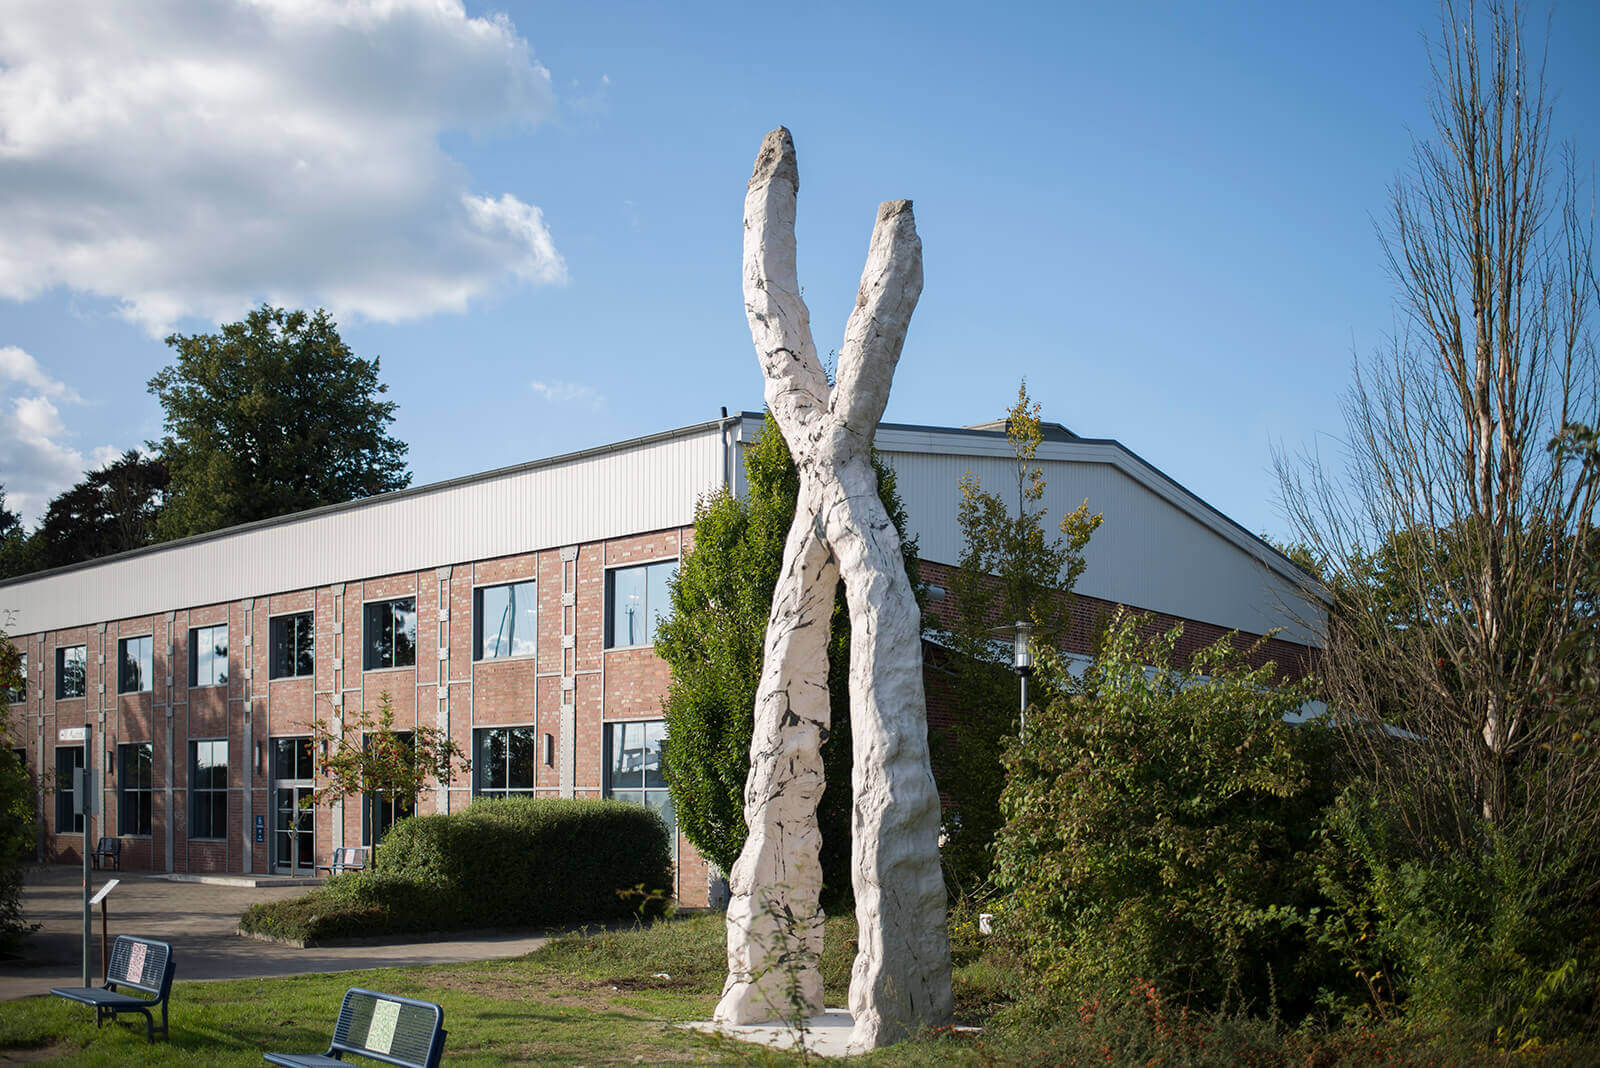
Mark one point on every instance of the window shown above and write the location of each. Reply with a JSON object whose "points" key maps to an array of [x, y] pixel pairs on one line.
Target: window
{"points": [[135, 666], [505, 760], [291, 758], [67, 759], [636, 600], [135, 787], [19, 693], [289, 646], [390, 632], [503, 620], [391, 809], [72, 671], [636, 768], [208, 789], [208, 655]]}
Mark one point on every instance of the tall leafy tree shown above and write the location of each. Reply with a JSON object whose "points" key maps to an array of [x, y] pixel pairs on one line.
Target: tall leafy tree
{"points": [[14, 541], [271, 415], [110, 511], [1011, 569], [713, 641]]}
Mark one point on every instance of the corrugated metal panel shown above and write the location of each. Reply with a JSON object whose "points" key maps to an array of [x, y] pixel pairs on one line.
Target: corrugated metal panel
{"points": [[644, 486], [1149, 551]]}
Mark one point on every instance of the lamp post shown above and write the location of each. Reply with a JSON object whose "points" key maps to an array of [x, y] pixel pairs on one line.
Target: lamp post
{"points": [[1022, 661]]}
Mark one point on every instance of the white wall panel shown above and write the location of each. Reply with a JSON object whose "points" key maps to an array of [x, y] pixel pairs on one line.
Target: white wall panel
{"points": [[640, 486]]}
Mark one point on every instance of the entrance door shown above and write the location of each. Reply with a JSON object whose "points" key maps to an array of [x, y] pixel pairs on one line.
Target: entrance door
{"points": [[294, 849], [294, 836]]}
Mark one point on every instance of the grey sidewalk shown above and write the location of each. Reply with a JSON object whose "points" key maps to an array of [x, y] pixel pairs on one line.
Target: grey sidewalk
{"points": [[199, 920]]}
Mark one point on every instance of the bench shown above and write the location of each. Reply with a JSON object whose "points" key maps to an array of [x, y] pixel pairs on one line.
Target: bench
{"points": [[139, 964], [385, 1027], [347, 859], [109, 850]]}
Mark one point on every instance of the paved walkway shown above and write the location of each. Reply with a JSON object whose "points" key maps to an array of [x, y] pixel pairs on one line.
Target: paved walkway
{"points": [[199, 920]]}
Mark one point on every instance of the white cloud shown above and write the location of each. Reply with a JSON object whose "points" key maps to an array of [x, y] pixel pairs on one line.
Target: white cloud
{"points": [[568, 393], [37, 459], [194, 157]]}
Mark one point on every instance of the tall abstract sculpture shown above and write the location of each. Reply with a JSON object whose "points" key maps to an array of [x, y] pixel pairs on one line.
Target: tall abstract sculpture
{"points": [[901, 977]]}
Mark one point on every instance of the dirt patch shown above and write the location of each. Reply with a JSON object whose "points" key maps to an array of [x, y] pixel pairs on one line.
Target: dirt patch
{"points": [[630, 983], [53, 1052]]}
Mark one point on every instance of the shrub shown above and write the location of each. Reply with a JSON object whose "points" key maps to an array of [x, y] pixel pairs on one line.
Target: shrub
{"points": [[517, 862], [1159, 821], [522, 861]]}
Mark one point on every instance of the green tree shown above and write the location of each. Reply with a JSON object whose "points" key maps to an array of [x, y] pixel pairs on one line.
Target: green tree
{"points": [[111, 510], [366, 757], [1010, 570], [272, 415], [15, 545], [713, 642], [18, 824], [1160, 820]]}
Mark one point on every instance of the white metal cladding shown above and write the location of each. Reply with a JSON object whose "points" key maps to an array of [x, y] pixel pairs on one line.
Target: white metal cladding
{"points": [[1159, 547], [635, 487]]}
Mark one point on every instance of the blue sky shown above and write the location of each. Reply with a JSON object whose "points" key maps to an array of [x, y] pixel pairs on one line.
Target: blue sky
{"points": [[1161, 214]]}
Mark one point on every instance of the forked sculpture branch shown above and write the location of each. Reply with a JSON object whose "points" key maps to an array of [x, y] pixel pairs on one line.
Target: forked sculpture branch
{"points": [[901, 977]]}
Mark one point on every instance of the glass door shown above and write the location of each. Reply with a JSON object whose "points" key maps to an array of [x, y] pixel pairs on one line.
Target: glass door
{"points": [[294, 836]]}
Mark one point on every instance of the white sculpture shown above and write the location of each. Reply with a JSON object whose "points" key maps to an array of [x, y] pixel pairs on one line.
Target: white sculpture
{"points": [[901, 977]]}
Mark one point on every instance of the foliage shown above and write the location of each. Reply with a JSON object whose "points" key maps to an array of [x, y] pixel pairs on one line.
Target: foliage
{"points": [[1009, 571], [110, 510], [14, 542], [713, 642], [18, 825], [271, 415], [1459, 549], [516, 862], [1158, 824], [365, 756]]}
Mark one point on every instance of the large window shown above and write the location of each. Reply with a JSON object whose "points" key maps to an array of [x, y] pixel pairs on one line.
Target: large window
{"points": [[67, 759], [391, 809], [289, 646], [505, 760], [635, 765], [135, 664], [135, 787], [72, 671], [504, 619], [390, 633], [636, 600], [208, 655], [291, 759], [208, 789], [19, 693]]}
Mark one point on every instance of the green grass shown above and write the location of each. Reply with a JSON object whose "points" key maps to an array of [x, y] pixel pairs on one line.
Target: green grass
{"points": [[616, 997], [585, 1000]]}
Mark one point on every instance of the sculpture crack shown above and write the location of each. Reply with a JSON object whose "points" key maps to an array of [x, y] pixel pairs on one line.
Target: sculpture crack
{"points": [[901, 977]]}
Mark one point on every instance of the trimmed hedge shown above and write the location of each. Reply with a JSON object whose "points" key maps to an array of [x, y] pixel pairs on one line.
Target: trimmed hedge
{"points": [[517, 862]]}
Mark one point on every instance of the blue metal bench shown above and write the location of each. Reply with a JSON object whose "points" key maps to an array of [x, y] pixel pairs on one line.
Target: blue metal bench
{"points": [[349, 858], [138, 964], [385, 1027], [109, 853]]}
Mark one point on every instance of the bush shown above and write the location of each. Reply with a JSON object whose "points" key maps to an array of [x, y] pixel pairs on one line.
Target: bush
{"points": [[517, 862], [1159, 824]]}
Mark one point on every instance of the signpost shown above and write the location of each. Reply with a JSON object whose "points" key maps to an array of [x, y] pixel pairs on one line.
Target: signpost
{"points": [[105, 953]]}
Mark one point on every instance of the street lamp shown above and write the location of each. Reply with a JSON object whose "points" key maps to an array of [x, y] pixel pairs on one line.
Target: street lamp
{"points": [[1022, 661]]}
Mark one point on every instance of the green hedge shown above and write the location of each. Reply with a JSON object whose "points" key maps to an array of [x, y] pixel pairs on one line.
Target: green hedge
{"points": [[517, 862]]}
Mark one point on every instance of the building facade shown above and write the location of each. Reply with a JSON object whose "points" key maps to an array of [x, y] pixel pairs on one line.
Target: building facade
{"points": [[514, 610]]}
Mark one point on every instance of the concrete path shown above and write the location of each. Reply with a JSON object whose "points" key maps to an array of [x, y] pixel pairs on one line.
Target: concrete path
{"points": [[199, 920]]}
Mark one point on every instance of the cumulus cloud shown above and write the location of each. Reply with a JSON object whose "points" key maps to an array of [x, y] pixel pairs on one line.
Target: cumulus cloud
{"points": [[194, 157], [37, 459], [568, 393]]}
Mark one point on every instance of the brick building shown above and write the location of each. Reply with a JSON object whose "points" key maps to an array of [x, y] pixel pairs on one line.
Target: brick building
{"points": [[513, 609]]}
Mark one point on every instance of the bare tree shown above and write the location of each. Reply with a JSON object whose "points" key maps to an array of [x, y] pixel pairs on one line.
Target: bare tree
{"points": [[1455, 539]]}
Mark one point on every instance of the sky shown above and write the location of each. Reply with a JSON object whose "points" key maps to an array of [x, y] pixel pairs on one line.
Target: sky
{"points": [[1161, 214]]}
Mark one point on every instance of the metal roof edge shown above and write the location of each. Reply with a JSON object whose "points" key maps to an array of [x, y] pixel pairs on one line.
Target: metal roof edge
{"points": [[691, 430]]}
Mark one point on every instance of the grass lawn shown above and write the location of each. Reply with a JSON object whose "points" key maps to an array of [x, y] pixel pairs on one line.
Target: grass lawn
{"points": [[578, 1001]]}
